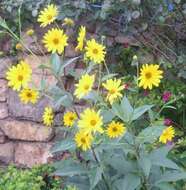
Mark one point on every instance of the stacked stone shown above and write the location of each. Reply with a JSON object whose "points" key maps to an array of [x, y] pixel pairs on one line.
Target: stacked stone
{"points": [[24, 140]]}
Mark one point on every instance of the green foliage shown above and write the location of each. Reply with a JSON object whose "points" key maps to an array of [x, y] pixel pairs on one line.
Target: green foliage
{"points": [[125, 162], [37, 178]]}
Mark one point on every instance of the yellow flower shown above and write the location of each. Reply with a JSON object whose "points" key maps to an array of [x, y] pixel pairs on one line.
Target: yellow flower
{"points": [[19, 46], [81, 38], [84, 85], [48, 116], [19, 76], [115, 129], [113, 86], [83, 140], [55, 40], [69, 119], [30, 32], [150, 76], [68, 22], [167, 135], [29, 95], [90, 121], [48, 15], [95, 51]]}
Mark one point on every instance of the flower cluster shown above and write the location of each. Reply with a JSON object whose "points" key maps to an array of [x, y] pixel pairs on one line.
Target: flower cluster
{"points": [[90, 122], [19, 77]]}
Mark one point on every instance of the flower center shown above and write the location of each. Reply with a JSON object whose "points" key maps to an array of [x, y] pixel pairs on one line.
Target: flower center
{"points": [[148, 75], [20, 78], [93, 122], [71, 118], [83, 140], [95, 51], [114, 129], [86, 87], [49, 17], [29, 94], [112, 91], [56, 41]]}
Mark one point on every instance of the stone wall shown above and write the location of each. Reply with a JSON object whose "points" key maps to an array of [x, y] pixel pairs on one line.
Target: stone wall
{"points": [[24, 140]]}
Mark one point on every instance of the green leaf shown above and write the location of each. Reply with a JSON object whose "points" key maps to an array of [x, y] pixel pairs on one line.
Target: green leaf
{"points": [[117, 111], [165, 186], [81, 182], [95, 176], [127, 109], [64, 100], [145, 164], [107, 115], [158, 157], [55, 63], [67, 144], [66, 63], [140, 111], [106, 77], [60, 97], [150, 134], [42, 66], [171, 176], [121, 165], [130, 182], [70, 168]]}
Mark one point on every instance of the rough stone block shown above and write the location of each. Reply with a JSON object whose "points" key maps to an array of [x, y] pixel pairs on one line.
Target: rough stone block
{"points": [[3, 110], [2, 137], [7, 152], [26, 111], [27, 131], [3, 90], [5, 63], [30, 154]]}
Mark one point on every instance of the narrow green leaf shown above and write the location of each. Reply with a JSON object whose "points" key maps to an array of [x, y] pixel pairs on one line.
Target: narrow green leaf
{"points": [[106, 77], [95, 176], [71, 170], [140, 111], [158, 157], [66, 63], [171, 176], [150, 134], [127, 109], [55, 63], [107, 115], [165, 186], [145, 164], [130, 182], [67, 144]]}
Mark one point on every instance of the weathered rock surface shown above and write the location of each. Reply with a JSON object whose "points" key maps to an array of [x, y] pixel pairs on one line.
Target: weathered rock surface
{"points": [[3, 90], [30, 154], [5, 63], [3, 110], [7, 152], [70, 51], [2, 137], [26, 111], [35, 62], [24, 130]]}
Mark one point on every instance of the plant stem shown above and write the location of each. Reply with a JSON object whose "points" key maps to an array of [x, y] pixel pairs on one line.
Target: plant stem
{"points": [[103, 176]]}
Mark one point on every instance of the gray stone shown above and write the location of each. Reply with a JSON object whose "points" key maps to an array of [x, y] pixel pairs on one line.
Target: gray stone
{"points": [[7, 152], [5, 63], [2, 137], [26, 111], [3, 110], [27, 131], [3, 90], [30, 154]]}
